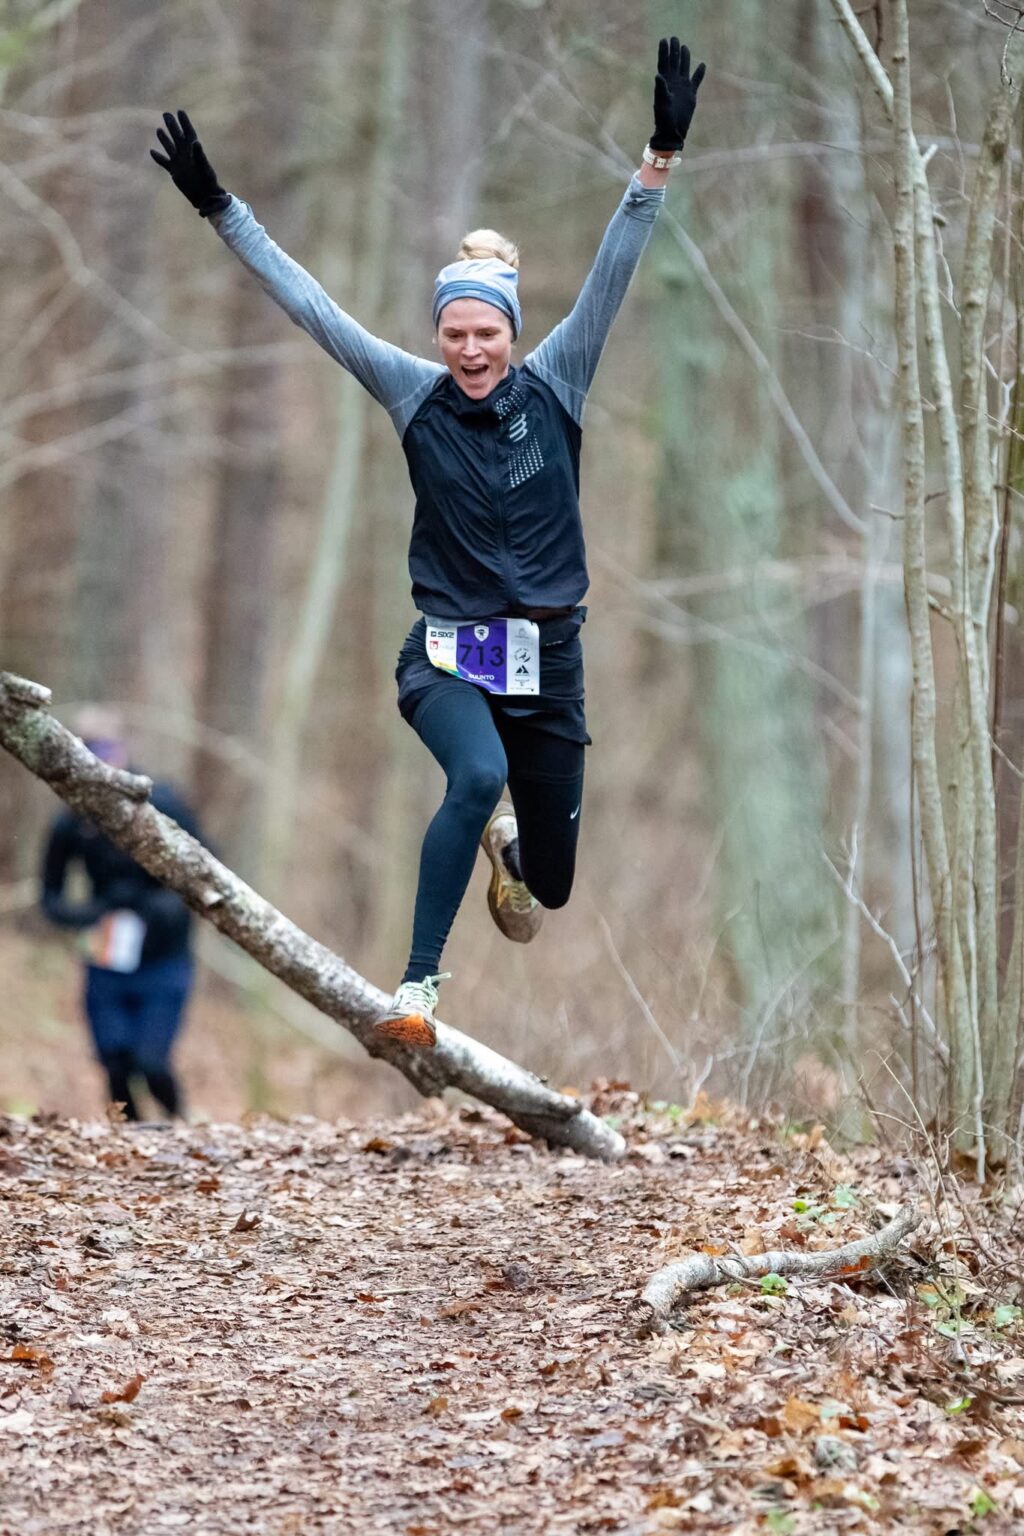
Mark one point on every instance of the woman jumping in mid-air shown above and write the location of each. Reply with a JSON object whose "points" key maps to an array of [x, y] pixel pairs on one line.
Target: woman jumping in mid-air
{"points": [[491, 676]]}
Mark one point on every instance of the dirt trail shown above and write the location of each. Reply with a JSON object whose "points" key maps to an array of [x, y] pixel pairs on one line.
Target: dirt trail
{"points": [[420, 1326]]}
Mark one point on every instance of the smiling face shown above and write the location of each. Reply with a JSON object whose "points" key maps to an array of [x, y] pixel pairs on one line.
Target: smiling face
{"points": [[476, 344]]}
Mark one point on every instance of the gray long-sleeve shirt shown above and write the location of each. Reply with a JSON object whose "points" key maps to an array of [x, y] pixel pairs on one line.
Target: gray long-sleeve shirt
{"points": [[566, 359], [497, 526]]}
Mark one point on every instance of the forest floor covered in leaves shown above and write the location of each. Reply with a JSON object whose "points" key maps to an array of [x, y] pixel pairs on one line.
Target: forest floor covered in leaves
{"points": [[422, 1326]]}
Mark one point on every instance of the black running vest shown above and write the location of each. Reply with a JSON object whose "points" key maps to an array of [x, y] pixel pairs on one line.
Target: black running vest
{"points": [[497, 525]]}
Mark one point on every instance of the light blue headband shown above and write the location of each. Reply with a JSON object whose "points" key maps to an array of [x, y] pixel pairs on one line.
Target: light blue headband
{"points": [[484, 278]]}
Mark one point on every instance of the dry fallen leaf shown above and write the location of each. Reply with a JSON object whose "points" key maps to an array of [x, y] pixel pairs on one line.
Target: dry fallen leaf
{"points": [[799, 1416], [664, 1498], [27, 1354], [126, 1394], [792, 1466], [460, 1308]]}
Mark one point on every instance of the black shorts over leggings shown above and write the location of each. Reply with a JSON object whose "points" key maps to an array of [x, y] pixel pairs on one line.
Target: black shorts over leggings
{"points": [[556, 711], [483, 741]]}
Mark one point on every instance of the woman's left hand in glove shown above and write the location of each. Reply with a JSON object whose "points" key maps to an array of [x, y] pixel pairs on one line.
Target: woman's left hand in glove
{"points": [[675, 94]]}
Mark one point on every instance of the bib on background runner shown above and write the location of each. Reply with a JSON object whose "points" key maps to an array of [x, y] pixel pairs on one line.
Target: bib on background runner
{"points": [[498, 655], [115, 942]]}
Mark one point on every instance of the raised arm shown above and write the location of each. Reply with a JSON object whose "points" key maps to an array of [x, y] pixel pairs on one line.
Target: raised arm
{"points": [[567, 359], [397, 379]]}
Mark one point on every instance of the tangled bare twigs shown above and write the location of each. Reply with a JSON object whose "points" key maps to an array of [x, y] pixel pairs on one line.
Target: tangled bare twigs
{"points": [[1013, 23], [994, 7]]}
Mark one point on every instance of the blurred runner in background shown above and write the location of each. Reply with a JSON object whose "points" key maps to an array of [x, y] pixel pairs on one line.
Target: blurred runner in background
{"points": [[135, 935]]}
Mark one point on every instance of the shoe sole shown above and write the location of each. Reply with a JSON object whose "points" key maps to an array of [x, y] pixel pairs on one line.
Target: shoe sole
{"points": [[500, 877], [410, 1029]]}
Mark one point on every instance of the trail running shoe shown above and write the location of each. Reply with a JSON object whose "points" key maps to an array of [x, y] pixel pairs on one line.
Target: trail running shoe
{"points": [[410, 1019], [516, 912]]}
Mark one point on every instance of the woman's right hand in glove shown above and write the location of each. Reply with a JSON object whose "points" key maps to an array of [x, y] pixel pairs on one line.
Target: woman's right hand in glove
{"points": [[186, 163]]}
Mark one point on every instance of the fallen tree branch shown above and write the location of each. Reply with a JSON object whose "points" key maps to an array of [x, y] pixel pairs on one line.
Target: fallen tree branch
{"points": [[117, 803], [651, 1311]]}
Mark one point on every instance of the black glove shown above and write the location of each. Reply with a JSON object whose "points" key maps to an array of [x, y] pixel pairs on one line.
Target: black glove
{"points": [[188, 166], [675, 94]]}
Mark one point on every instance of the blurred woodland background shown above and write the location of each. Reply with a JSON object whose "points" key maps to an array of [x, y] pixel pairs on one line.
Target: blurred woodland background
{"points": [[205, 521]]}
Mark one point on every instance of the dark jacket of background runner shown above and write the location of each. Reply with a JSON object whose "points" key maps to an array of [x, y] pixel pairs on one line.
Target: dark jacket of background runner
{"points": [[116, 882]]}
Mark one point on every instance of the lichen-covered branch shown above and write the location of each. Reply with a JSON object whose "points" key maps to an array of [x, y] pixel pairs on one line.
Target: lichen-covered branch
{"points": [[651, 1311], [116, 802]]}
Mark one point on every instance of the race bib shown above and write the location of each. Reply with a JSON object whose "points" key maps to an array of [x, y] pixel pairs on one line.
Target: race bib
{"points": [[498, 655], [115, 943]]}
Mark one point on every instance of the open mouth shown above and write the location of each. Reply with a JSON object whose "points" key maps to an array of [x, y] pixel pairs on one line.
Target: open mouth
{"points": [[475, 370]]}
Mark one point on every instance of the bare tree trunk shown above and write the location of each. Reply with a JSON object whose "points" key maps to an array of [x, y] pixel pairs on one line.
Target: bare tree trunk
{"points": [[118, 489], [1008, 653], [998, 1040], [958, 1012], [1008, 704], [80, 518], [765, 767], [328, 568], [252, 480], [850, 387]]}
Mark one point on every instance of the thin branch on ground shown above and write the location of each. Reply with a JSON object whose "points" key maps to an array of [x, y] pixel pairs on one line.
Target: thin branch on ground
{"points": [[702, 1271]]}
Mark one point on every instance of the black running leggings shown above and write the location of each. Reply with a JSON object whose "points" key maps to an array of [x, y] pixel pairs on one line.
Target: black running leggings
{"points": [[481, 749]]}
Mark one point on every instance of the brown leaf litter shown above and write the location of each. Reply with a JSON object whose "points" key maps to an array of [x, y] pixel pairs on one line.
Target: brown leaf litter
{"points": [[421, 1326]]}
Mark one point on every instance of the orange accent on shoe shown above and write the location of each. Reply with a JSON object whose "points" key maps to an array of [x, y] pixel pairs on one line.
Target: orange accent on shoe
{"points": [[410, 1029]]}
